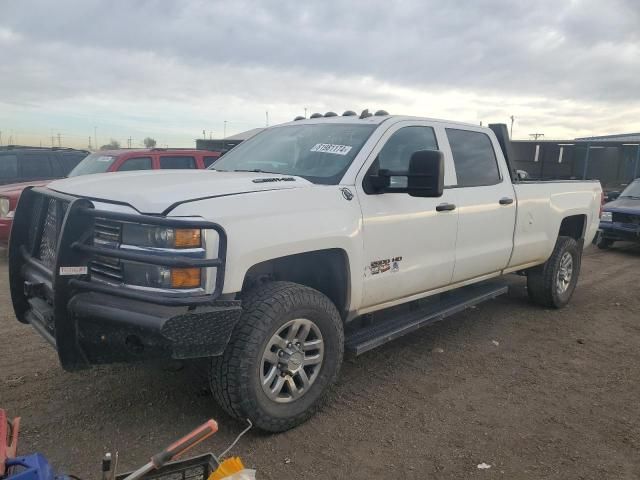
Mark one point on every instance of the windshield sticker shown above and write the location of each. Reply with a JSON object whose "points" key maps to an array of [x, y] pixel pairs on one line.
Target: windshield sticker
{"points": [[331, 148], [104, 159]]}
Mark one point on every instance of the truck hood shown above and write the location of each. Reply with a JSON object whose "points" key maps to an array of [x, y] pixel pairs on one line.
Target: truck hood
{"points": [[156, 192], [624, 205]]}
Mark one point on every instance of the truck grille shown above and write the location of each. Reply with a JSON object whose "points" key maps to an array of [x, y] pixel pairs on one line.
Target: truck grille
{"points": [[627, 218], [107, 233]]}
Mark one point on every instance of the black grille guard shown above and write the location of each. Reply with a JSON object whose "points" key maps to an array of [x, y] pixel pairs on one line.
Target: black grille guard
{"points": [[75, 229]]}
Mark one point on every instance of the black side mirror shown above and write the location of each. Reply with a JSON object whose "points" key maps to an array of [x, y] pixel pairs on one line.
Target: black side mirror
{"points": [[426, 174], [425, 177]]}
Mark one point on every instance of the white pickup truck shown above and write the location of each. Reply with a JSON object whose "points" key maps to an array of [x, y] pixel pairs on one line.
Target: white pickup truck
{"points": [[312, 238]]}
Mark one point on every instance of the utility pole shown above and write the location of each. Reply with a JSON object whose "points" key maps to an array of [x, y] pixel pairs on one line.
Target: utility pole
{"points": [[210, 134], [305, 112], [59, 144], [204, 134], [513, 119], [90, 147], [267, 113], [224, 133], [95, 136], [536, 136], [129, 142]]}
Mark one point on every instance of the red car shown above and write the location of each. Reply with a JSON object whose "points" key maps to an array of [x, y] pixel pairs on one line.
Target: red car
{"points": [[108, 161]]}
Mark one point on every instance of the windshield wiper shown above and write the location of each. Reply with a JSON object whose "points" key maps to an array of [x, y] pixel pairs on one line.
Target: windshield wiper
{"points": [[256, 170]]}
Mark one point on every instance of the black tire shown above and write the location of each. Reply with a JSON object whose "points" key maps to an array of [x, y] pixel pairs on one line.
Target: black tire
{"points": [[235, 375], [542, 281], [603, 243]]}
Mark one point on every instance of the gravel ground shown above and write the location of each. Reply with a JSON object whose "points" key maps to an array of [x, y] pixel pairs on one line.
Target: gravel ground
{"points": [[533, 393]]}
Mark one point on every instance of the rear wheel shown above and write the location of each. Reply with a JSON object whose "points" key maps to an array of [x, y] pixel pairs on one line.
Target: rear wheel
{"points": [[552, 284], [284, 353]]}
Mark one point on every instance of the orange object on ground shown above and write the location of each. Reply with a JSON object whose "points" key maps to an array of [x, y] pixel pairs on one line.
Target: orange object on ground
{"points": [[228, 467]]}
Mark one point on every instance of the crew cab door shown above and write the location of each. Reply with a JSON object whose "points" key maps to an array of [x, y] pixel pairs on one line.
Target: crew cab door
{"points": [[409, 242], [485, 203]]}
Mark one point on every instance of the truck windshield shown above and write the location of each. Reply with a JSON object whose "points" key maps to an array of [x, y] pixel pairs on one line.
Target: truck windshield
{"points": [[94, 163], [632, 191], [320, 153]]}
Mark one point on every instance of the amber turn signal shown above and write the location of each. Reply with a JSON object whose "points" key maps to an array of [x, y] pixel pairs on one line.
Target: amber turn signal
{"points": [[185, 278], [188, 238]]}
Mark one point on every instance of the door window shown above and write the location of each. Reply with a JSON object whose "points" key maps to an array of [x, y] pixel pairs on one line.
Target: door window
{"points": [[474, 158], [396, 153], [35, 165], [138, 163], [8, 167], [177, 162]]}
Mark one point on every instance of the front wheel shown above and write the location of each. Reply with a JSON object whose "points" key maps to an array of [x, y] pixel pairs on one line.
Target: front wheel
{"points": [[552, 284], [283, 355]]}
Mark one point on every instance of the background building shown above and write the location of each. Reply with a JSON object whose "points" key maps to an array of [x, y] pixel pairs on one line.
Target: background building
{"points": [[612, 159], [225, 144]]}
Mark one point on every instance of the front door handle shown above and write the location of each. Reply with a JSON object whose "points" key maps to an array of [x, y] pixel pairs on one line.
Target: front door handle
{"points": [[506, 201], [445, 207]]}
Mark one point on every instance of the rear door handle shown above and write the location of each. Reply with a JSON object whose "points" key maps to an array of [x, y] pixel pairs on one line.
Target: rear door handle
{"points": [[445, 207], [506, 201]]}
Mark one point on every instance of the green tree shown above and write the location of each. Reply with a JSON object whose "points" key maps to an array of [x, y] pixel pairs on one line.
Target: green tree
{"points": [[149, 142]]}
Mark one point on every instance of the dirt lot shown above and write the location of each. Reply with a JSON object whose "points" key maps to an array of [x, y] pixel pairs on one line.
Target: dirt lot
{"points": [[534, 393]]}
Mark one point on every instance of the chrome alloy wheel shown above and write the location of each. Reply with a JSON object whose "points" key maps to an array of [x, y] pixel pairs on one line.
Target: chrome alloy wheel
{"points": [[565, 273], [291, 360]]}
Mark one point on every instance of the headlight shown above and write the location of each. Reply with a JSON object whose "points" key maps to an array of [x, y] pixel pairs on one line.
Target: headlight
{"points": [[153, 276], [5, 206], [606, 217], [160, 237]]}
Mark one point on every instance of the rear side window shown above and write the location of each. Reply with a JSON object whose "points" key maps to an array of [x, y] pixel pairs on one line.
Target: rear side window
{"points": [[138, 163], [167, 162], [35, 165], [208, 161], [70, 160], [474, 158], [8, 167]]}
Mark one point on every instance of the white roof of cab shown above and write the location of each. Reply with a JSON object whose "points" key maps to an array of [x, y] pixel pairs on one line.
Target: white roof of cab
{"points": [[375, 120]]}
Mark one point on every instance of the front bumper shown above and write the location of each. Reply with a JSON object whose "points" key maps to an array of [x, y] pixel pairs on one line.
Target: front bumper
{"points": [[620, 231], [89, 322]]}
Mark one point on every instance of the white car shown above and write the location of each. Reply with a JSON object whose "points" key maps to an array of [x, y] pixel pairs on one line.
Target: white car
{"points": [[310, 239]]}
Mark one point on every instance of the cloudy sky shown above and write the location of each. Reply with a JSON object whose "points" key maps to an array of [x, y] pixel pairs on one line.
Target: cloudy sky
{"points": [[171, 69]]}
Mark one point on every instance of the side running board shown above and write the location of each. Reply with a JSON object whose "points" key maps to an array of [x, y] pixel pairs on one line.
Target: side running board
{"points": [[381, 332]]}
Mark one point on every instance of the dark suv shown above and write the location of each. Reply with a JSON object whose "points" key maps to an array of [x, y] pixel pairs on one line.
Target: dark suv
{"points": [[25, 164]]}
